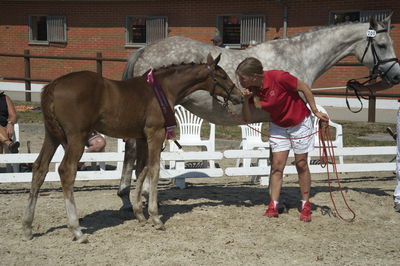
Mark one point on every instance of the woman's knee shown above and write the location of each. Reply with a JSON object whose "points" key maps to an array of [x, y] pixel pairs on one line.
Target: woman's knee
{"points": [[302, 165], [277, 170]]}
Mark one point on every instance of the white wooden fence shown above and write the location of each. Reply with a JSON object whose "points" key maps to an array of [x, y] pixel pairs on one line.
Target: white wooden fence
{"points": [[179, 173], [262, 168]]}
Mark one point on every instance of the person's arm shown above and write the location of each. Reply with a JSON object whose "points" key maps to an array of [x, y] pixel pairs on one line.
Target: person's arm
{"points": [[247, 108], [12, 117], [301, 86]]}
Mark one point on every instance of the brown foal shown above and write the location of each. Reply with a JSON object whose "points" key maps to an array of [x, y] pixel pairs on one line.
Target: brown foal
{"points": [[78, 103]]}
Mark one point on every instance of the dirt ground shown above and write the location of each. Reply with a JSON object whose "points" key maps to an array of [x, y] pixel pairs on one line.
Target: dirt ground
{"points": [[215, 221]]}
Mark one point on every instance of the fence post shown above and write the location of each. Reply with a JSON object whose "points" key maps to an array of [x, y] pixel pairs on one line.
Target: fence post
{"points": [[371, 108], [27, 75], [99, 63]]}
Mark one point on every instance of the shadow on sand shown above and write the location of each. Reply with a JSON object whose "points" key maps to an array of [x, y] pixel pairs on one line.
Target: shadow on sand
{"points": [[238, 194]]}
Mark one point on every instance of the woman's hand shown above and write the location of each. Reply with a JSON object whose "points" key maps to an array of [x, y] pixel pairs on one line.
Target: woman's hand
{"points": [[322, 116], [10, 130], [247, 94]]}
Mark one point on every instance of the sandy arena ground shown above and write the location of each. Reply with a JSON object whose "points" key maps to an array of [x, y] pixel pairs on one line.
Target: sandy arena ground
{"points": [[213, 222]]}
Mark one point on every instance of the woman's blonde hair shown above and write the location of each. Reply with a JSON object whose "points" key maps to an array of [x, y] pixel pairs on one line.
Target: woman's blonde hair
{"points": [[249, 67]]}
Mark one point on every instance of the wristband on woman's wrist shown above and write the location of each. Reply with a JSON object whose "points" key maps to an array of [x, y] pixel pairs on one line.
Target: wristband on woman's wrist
{"points": [[10, 122]]}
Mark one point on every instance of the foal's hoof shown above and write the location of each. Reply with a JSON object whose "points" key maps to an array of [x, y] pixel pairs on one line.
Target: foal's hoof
{"points": [[142, 220], [83, 239], [28, 234], [157, 223], [160, 227]]}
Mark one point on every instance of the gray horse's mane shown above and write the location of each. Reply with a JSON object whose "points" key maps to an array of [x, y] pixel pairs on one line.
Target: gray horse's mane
{"points": [[333, 26], [324, 28]]}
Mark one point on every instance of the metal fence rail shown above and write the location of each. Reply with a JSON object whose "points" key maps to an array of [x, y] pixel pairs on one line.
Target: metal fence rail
{"points": [[27, 63]]}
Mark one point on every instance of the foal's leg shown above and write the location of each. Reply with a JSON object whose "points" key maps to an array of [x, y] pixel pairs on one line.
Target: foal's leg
{"points": [[155, 142], [39, 171], [67, 171], [126, 177], [141, 173]]}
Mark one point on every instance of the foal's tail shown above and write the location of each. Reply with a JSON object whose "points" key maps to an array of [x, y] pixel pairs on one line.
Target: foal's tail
{"points": [[50, 120], [130, 65]]}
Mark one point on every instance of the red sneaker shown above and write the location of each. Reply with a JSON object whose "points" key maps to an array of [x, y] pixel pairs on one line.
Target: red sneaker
{"points": [[271, 211], [305, 215]]}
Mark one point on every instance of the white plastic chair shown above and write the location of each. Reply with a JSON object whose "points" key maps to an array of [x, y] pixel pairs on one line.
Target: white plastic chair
{"points": [[338, 142], [251, 139], [120, 149], [15, 166], [190, 131]]}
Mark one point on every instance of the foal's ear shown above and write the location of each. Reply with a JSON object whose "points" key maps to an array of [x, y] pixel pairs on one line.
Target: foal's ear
{"points": [[211, 61], [216, 61]]}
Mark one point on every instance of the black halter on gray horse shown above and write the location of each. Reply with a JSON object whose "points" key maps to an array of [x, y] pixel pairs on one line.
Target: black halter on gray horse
{"points": [[307, 56]]}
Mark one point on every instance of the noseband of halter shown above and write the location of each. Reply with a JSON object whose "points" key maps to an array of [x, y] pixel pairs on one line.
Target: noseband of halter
{"points": [[217, 83], [371, 33]]}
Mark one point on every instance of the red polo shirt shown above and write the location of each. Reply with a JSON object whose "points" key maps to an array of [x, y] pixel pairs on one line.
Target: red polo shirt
{"points": [[280, 98]]}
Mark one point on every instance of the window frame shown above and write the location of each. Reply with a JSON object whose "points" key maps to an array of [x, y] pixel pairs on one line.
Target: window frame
{"points": [[50, 29], [146, 17], [241, 16]]}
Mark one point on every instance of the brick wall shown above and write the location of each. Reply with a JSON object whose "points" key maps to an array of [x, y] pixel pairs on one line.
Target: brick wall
{"points": [[99, 27]]}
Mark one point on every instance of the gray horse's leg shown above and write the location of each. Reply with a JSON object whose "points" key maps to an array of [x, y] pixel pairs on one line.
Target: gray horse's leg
{"points": [[67, 171], [141, 173], [39, 171], [126, 177]]}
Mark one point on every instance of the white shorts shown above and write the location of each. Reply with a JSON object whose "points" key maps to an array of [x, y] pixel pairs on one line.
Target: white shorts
{"points": [[297, 138]]}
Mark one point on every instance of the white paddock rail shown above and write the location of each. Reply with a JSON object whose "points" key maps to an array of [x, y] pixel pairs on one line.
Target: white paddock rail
{"points": [[179, 173], [263, 168]]}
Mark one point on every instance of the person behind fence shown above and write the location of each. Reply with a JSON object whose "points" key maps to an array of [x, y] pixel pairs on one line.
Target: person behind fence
{"points": [[8, 118], [217, 41], [96, 143], [291, 126]]}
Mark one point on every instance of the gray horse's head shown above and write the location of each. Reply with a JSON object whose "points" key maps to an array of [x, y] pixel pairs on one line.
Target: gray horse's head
{"points": [[377, 53]]}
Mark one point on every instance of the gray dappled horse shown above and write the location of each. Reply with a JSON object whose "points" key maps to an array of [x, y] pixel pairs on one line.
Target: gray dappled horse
{"points": [[307, 56], [79, 103]]}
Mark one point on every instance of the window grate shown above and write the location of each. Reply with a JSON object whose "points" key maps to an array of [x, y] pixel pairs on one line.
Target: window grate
{"points": [[142, 30], [45, 29], [238, 29]]}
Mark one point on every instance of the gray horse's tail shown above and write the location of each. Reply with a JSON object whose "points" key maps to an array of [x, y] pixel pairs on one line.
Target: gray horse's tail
{"points": [[50, 120], [130, 65]]}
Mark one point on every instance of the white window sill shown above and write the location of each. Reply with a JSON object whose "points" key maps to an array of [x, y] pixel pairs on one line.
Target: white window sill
{"points": [[135, 45], [38, 42]]}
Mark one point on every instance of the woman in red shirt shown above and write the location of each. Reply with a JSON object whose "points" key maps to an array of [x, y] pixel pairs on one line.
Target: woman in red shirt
{"points": [[277, 92]]}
